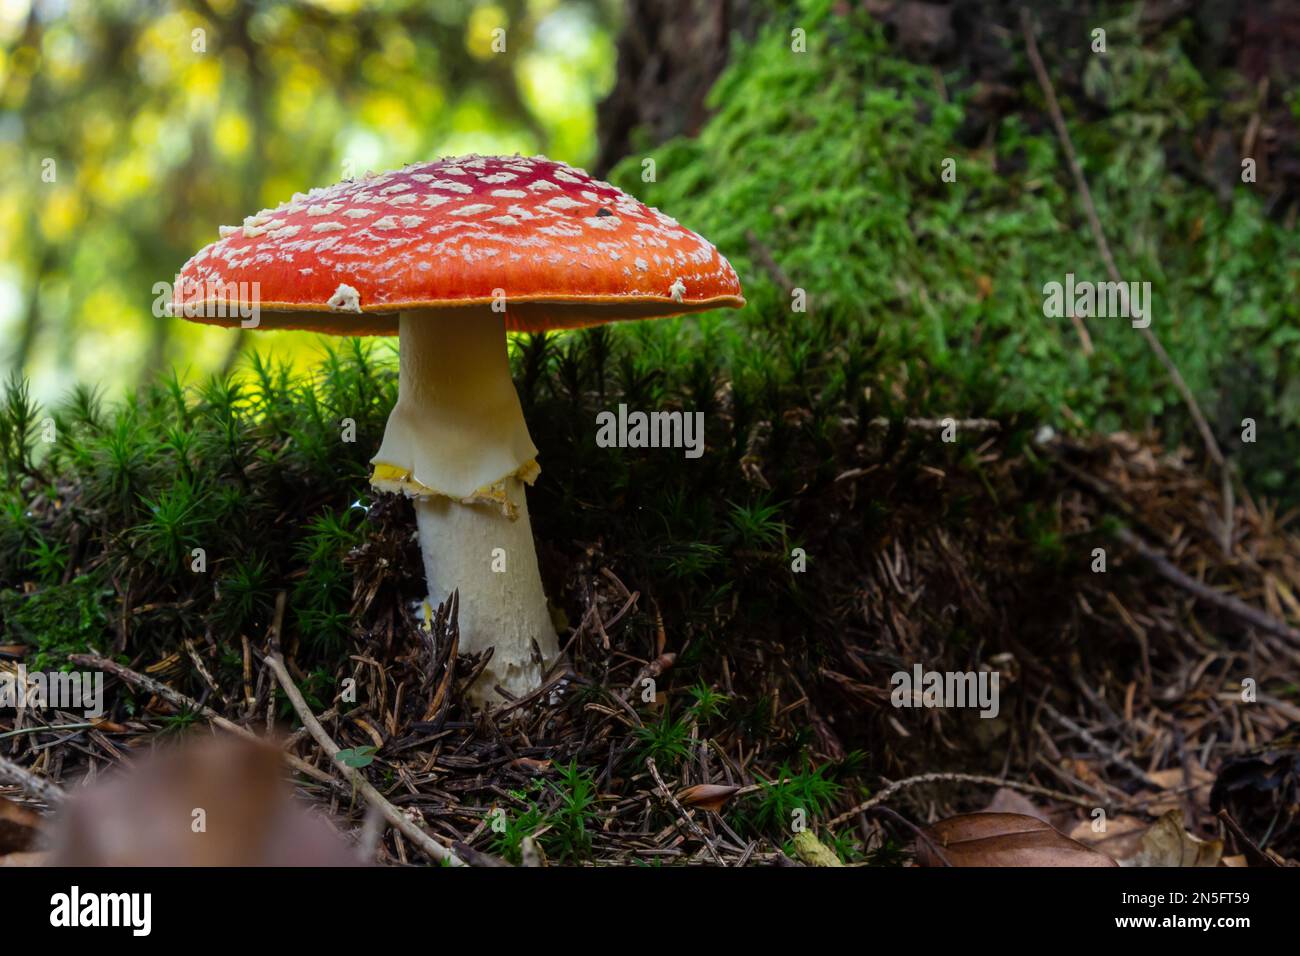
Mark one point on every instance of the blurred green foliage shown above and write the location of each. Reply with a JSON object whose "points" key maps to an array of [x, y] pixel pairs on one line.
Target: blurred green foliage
{"points": [[130, 130]]}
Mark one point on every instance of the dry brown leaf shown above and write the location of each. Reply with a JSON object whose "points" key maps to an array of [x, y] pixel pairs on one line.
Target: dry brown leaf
{"points": [[531, 763], [210, 802], [19, 827], [1167, 843], [1007, 800], [1002, 839], [1175, 778], [1196, 782], [1158, 806], [1081, 769], [110, 726], [707, 796], [34, 858], [1120, 840]]}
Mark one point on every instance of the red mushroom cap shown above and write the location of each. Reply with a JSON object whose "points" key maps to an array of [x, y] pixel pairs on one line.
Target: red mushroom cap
{"points": [[564, 249]]}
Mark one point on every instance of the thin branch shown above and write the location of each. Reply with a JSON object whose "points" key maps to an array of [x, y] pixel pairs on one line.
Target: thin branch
{"points": [[919, 833], [177, 699], [898, 785], [765, 259], [1094, 223], [431, 847], [1249, 847], [681, 811], [1054, 108], [37, 786], [1166, 568], [939, 424], [1248, 613], [1111, 754]]}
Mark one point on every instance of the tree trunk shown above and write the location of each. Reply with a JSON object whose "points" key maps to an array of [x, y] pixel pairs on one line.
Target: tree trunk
{"points": [[669, 54]]}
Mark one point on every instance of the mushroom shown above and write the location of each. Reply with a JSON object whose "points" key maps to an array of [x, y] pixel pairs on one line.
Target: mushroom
{"points": [[451, 255]]}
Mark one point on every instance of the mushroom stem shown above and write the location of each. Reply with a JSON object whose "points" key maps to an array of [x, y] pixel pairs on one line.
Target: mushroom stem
{"points": [[457, 443], [457, 428], [490, 558]]}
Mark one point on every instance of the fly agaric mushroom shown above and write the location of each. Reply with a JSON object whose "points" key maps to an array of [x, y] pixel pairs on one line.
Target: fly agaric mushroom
{"points": [[450, 256]]}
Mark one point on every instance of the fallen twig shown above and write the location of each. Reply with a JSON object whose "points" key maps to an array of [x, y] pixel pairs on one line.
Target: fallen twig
{"points": [[918, 832], [681, 811], [1249, 847], [1166, 569], [177, 699], [939, 424], [45, 729], [898, 785], [1248, 613], [812, 852], [431, 847], [1094, 223], [1111, 754], [37, 786]]}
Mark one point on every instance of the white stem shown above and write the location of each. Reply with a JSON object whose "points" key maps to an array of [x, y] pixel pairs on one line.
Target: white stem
{"points": [[456, 442], [490, 558], [457, 428]]}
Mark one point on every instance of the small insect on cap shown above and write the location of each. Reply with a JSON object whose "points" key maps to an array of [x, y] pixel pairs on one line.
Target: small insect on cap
{"points": [[555, 247]]}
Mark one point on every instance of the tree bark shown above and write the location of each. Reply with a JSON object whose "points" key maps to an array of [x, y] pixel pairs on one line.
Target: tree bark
{"points": [[670, 52]]}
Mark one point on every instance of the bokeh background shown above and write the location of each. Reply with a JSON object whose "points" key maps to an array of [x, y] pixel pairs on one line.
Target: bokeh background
{"points": [[159, 134]]}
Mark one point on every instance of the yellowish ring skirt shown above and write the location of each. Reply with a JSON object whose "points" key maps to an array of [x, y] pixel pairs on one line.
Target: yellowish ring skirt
{"points": [[387, 477]]}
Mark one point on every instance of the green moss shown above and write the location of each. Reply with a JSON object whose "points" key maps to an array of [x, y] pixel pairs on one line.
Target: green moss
{"points": [[196, 505], [58, 620], [832, 159]]}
